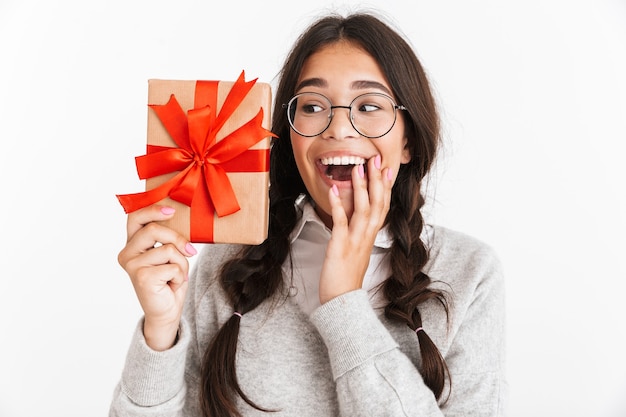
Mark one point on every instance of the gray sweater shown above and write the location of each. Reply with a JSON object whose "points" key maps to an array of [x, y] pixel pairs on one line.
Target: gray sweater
{"points": [[346, 359]]}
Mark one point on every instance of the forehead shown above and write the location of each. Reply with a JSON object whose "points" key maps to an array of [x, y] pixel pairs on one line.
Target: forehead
{"points": [[342, 65]]}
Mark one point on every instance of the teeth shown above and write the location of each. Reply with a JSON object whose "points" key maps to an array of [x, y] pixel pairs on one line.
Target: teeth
{"points": [[343, 160]]}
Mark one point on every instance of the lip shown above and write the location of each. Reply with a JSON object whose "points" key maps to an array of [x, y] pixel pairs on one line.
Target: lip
{"points": [[321, 168]]}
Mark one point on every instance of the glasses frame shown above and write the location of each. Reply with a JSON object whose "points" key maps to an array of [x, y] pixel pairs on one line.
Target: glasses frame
{"points": [[396, 107]]}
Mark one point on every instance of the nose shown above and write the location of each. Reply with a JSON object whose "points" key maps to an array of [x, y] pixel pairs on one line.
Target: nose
{"points": [[340, 126]]}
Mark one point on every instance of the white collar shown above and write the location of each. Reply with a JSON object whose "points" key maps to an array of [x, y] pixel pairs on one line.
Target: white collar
{"points": [[384, 240]]}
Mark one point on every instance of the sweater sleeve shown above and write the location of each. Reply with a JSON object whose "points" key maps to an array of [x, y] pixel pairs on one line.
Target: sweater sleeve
{"points": [[152, 382], [372, 375], [476, 356]]}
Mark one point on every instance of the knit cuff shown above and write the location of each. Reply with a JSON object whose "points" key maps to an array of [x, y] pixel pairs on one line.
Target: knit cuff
{"points": [[352, 331], [151, 378]]}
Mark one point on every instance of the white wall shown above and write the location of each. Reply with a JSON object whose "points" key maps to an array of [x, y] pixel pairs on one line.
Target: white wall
{"points": [[534, 106]]}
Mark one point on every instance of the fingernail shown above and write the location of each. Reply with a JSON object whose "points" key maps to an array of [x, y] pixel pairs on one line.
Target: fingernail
{"points": [[335, 190], [377, 162], [361, 171], [167, 210], [389, 174], [190, 249]]}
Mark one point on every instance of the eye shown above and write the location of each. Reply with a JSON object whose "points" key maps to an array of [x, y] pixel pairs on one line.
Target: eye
{"points": [[365, 107], [369, 104], [311, 108]]}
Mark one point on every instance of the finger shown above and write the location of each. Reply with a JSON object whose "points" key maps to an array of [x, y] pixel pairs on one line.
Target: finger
{"points": [[166, 254], [374, 175], [338, 214], [154, 233], [138, 219], [151, 234], [161, 293], [153, 279], [375, 191], [379, 187], [388, 180], [361, 197]]}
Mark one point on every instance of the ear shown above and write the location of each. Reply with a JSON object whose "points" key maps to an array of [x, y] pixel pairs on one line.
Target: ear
{"points": [[406, 152]]}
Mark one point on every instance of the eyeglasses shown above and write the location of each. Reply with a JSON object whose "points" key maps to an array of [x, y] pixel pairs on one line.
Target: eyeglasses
{"points": [[372, 114]]}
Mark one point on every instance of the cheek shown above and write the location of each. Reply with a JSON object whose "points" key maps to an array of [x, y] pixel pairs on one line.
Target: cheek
{"points": [[299, 153], [398, 151], [296, 147]]}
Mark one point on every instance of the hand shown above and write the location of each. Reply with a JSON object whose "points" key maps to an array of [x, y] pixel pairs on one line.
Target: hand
{"points": [[352, 240], [158, 272]]}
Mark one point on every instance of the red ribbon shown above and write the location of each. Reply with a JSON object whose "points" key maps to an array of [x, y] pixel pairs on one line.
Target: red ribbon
{"points": [[202, 161]]}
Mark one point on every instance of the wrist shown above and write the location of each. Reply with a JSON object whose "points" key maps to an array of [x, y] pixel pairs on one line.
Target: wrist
{"points": [[160, 336], [328, 294]]}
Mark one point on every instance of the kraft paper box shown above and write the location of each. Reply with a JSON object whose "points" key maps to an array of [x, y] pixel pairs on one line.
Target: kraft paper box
{"points": [[208, 157]]}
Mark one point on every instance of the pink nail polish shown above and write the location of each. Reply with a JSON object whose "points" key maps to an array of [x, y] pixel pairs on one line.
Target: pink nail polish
{"points": [[190, 249], [389, 174], [335, 190], [377, 162], [361, 171], [167, 210]]}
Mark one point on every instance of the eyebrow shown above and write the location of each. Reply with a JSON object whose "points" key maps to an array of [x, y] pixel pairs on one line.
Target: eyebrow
{"points": [[312, 82], [356, 85], [365, 84]]}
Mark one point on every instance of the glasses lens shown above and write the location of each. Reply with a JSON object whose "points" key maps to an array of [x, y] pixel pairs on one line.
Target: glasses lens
{"points": [[373, 115], [309, 113]]}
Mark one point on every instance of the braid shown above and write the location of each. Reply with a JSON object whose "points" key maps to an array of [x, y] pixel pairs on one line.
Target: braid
{"points": [[249, 279], [407, 287]]}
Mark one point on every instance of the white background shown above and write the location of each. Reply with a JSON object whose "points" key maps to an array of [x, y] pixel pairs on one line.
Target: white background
{"points": [[533, 98]]}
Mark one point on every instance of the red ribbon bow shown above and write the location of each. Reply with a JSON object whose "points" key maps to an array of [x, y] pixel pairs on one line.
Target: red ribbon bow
{"points": [[202, 161]]}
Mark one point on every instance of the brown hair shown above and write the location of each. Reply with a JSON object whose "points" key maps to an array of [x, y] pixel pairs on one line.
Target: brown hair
{"points": [[256, 274]]}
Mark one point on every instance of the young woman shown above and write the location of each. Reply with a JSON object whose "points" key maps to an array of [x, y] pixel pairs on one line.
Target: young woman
{"points": [[352, 306]]}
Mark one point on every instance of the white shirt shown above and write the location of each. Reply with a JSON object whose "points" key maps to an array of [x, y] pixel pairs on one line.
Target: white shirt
{"points": [[308, 244]]}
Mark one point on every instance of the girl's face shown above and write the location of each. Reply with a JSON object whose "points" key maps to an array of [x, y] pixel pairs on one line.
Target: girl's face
{"points": [[341, 72]]}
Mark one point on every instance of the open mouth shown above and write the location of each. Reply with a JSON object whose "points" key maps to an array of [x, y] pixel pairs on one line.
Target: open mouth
{"points": [[339, 168]]}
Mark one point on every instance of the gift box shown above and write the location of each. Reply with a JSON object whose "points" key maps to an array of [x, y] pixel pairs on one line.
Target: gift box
{"points": [[208, 157]]}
